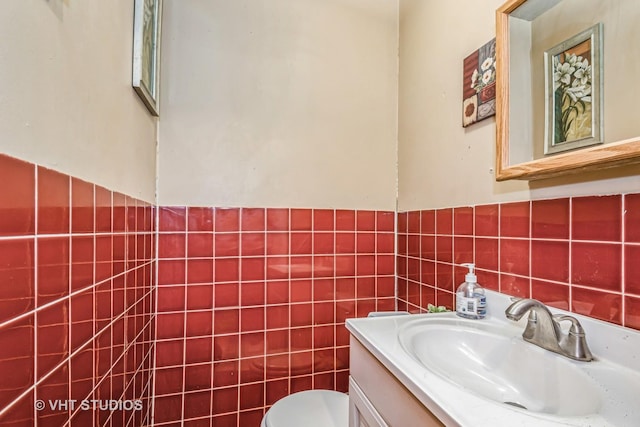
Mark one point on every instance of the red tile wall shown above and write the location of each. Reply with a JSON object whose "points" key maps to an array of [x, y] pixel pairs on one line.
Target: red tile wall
{"points": [[580, 254], [76, 299], [252, 305]]}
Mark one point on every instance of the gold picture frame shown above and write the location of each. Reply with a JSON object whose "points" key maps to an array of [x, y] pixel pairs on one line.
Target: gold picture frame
{"points": [[147, 23]]}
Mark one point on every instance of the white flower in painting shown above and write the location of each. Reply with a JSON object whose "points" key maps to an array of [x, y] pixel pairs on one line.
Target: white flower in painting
{"points": [[562, 73], [572, 89], [487, 76], [565, 70], [474, 79], [484, 75], [579, 93], [581, 62], [572, 59], [582, 75], [486, 64], [574, 72]]}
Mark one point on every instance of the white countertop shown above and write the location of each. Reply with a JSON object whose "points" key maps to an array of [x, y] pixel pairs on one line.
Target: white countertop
{"points": [[614, 348]]}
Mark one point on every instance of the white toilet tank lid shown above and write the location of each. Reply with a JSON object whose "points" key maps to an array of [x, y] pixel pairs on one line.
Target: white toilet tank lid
{"points": [[312, 408]]}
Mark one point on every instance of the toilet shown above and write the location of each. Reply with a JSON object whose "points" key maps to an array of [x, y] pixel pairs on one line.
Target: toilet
{"points": [[311, 408]]}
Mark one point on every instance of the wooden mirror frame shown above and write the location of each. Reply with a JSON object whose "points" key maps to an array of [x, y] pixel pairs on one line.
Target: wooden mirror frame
{"points": [[586, 159]]}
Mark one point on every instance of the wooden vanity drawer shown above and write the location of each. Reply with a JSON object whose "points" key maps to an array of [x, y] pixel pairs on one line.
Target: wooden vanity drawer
{"points": [[392, 401]]}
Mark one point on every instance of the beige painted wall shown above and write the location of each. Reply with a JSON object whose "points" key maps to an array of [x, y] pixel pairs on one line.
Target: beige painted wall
{"points": [[66, 100], [279, 103], [440, 163], [265, 103]]}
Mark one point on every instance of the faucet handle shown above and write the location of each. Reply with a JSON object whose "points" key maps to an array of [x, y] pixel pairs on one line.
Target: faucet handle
{"points": [[576, 327], [574, 343]]}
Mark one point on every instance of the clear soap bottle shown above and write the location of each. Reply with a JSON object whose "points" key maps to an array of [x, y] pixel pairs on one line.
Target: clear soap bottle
{"points": [[471, 302]]}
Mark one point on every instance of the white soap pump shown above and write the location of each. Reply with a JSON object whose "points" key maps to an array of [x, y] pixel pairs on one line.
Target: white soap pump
{"points": [[471, 303]]}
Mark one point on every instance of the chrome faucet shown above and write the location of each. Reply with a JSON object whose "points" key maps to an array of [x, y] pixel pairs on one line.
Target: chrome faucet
{"points": [[543, 329]]}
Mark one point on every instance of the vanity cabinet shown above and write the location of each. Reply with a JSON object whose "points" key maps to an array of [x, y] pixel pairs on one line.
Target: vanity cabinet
{"points": [[361, 410], [378, 399]]}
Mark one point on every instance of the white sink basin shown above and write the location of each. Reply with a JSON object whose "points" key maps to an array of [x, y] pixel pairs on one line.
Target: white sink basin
{"points": [[482, 373], [489, 360]]}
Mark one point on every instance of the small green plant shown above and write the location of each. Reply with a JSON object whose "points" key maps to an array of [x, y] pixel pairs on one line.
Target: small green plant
{"points": [[436, 309]]}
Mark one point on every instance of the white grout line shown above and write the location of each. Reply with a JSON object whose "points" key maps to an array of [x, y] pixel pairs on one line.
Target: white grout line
{"points": [[623, 284], [570, 240], [35, 296], [185, 314]]}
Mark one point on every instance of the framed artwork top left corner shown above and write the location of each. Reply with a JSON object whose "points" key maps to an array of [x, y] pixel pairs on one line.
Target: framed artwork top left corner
{"points": [[147, 23]]}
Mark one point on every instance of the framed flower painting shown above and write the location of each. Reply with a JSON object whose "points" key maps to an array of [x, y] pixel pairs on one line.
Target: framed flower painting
{"points": [[573, 92], [146, 52], [479, 85]]}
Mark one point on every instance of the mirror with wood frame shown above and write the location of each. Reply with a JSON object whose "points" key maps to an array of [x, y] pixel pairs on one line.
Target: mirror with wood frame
{"points": [[568, 92]]}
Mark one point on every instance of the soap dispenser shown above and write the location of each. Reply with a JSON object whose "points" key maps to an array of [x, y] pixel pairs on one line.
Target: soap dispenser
{"points": [[471, 302]]}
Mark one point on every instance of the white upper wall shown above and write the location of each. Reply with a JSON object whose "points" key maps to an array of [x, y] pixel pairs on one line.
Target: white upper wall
{"points": [[265, 103], [440, 163], [269, 103], [66, 100]]}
